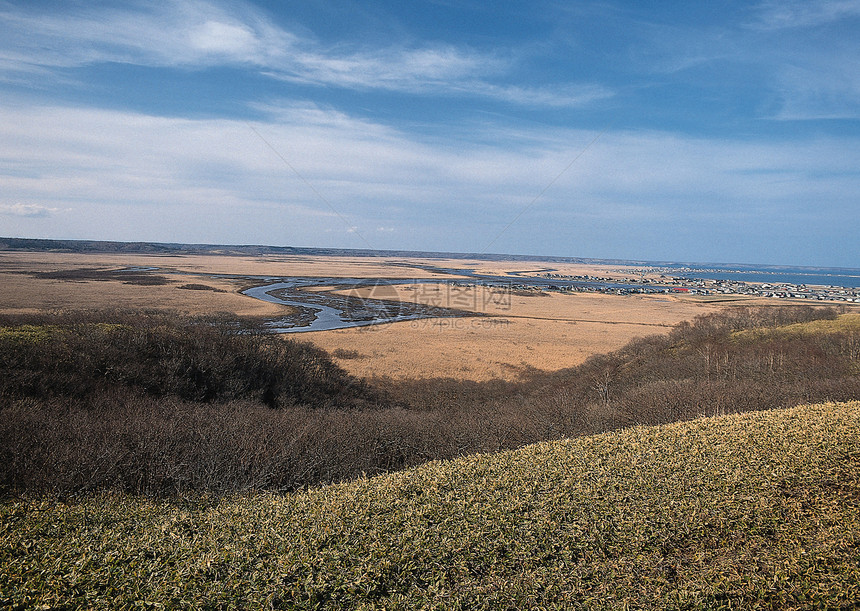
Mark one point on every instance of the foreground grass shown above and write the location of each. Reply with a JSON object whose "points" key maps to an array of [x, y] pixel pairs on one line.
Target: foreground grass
{"points": [[757, 510]]}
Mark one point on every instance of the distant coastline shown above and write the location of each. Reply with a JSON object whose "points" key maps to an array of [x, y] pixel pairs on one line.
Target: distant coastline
{"points": [[775, 274]]}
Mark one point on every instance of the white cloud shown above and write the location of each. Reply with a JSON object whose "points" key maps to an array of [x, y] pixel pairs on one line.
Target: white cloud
{"points": [[564, 96], [26, 210], [789, 14], [222, 38], [172, 33], [131, 176], [201, 33], [390, 68]]}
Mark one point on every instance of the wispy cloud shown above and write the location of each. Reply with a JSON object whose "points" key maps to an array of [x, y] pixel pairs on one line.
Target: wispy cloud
{"points": [[203, 33], [393, 68], [812, 80], [172, 33], [564, 96], [778, 45], [816, 90], [789, 14]]}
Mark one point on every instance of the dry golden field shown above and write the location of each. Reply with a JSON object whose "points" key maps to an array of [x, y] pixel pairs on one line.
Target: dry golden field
{"points": [[544, 331], [515, 333]]}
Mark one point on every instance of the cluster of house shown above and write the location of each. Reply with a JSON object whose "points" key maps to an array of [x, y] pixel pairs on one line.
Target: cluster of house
{"points": [[785, 290], [672, 284]]}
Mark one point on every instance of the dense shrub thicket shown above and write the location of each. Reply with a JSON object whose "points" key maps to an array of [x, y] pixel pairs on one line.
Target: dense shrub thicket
{"points": [[719, 363], [155, 404], [82, 356]]}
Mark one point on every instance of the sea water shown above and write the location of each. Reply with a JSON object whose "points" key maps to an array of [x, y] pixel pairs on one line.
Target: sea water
{"points": [[825, 276]]}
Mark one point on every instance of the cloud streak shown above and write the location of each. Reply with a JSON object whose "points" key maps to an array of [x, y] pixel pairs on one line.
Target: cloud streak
{"points": [[791, 14], [202, 34]]}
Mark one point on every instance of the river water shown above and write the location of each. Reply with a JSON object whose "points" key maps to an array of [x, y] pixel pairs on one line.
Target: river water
{"points": [[325, 311]]}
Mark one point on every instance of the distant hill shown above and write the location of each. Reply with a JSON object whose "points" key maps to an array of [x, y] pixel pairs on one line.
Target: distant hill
{"points": [[97, 246]]}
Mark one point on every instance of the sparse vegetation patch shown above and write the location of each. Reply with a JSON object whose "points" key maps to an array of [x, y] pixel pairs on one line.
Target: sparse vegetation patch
{"points": [[200, 287], [341, 353], [103, 275]]}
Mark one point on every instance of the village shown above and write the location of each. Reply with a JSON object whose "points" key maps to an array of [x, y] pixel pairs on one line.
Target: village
{"points": [[695, 286]]}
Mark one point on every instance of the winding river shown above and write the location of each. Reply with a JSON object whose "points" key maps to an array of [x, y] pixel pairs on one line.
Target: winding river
{"points": [[326, 311]]}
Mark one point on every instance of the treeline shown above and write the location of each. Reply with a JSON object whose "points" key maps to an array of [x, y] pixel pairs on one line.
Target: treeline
{"points": [[157, 404]]}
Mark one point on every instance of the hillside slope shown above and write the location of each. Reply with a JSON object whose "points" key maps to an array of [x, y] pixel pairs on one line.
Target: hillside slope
{"points": [[759, 510]]}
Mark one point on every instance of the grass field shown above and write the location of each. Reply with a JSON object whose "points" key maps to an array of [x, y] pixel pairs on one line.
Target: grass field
{"points": [[547, 333], [754, 511]]}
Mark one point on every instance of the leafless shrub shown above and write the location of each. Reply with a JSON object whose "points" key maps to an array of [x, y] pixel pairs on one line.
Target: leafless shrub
{"points": [[154, 404]]}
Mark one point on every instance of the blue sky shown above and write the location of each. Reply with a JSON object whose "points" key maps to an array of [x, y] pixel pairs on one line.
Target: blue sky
{"points": [[684, 131]]}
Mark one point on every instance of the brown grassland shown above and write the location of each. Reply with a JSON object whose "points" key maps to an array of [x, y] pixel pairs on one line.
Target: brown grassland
{"points": [[546, 332]]}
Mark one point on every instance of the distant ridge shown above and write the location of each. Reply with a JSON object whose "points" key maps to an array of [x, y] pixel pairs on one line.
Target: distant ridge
{"points": [[170, 248], [98, 246]]}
